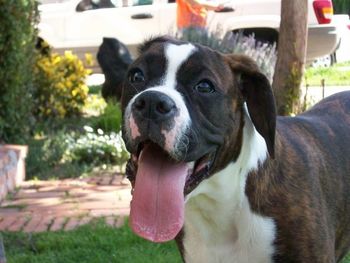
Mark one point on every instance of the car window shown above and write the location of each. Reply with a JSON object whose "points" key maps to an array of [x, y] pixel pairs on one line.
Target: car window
{"points": [[86, 5], [143, 2]]}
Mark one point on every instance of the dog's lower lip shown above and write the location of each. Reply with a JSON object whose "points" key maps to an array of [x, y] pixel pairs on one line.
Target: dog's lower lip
{"points": [[199, 172], [140, 146]]}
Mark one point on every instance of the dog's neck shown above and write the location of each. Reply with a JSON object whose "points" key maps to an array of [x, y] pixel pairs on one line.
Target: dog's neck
{"points": [[219, 222], [253, 153]]}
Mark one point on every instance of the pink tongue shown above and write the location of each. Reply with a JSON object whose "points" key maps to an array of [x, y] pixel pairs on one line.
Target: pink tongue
{"points": [[157, 207]]}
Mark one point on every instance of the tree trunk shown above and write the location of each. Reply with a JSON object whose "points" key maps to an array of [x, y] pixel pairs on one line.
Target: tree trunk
{"points": [[290, 63]]}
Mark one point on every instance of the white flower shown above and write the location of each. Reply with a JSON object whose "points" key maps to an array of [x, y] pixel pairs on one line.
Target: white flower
{"points": [[88, 128]]}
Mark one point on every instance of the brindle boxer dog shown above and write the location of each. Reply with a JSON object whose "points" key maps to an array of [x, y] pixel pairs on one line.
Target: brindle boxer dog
{"points": [[211, 166]]}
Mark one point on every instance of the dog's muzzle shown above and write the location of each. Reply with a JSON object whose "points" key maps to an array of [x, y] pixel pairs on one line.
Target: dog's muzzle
{"points": [[157, 135], [155, 107], [154, 116]]}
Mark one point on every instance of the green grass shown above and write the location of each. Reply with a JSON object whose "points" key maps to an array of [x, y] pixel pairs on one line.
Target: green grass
{"points": [[344, 64], [347, 259], [337, 75], [92, 243]]}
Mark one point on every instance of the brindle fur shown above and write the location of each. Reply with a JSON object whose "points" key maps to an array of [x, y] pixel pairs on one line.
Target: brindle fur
{"points": [[304, 186]]}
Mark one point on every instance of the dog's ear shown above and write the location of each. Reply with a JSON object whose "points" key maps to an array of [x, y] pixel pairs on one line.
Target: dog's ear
{"points": [[257, 92]]}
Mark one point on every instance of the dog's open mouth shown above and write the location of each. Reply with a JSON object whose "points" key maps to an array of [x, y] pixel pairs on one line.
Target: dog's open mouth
{"points": [[159, 186]]}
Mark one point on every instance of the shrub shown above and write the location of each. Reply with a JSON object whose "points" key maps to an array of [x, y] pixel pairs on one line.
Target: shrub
{"points": [[264, 54], [341, 6], [45, 155], [95, 89], [96, 148], [110, 120], [69, 154], [60, 86], [17, 54]]}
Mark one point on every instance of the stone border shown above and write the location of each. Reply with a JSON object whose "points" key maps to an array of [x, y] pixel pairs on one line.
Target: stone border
{"points": [[12, 167]]}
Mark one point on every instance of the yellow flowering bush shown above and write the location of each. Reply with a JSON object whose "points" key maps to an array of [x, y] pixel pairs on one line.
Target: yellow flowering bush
{"points": [[60, 85]]}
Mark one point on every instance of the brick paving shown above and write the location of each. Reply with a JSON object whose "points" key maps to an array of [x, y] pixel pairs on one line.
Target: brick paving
{"points": [[66, 204]]}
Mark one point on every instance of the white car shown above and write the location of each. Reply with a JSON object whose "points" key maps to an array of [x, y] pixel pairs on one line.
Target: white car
{"points": [[80, 25], [342, 53]]}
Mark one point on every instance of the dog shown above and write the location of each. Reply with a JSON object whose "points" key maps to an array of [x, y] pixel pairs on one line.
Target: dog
{"points": [[114, 59], [213, 167]]}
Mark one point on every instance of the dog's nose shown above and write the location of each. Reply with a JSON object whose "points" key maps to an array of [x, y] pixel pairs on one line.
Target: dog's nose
{"points": [[154, 105]]}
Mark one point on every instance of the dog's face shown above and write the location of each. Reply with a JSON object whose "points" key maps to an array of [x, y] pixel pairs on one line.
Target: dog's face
{"points": [[183, 108]]}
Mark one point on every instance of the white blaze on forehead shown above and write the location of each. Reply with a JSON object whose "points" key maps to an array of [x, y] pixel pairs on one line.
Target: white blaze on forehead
{"points": [[175, 55]]}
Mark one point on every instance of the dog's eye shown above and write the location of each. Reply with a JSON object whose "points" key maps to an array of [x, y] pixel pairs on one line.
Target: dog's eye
{"points": [[205, 86], [136, 76]]}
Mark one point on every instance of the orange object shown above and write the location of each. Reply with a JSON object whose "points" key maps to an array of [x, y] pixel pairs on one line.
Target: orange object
{"points": [[190, 16]]}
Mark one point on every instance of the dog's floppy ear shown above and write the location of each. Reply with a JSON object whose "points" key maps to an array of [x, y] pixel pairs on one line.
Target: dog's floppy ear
{"points": [[257, 92]]}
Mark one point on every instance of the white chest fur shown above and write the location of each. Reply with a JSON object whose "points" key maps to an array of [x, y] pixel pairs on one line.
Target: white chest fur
{"points": [[219, 224]]}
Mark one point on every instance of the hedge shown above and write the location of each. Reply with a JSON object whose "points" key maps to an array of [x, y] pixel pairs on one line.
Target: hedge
{"points": [[341, 6], [17, 53]]}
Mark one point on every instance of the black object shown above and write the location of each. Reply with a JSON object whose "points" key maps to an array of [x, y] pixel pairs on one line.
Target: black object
{"points": [[142, 16], [225, 10], [114, 59]]}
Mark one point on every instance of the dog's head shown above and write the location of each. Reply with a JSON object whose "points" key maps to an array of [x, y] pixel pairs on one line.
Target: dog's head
{"points": [[184, 107]]}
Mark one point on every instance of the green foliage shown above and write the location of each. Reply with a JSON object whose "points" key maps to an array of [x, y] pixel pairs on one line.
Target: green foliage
{"points": [[110, 120], [60, 86], [92, 243], [341, 6], [336, 75], [17, 54], [96, 148], [95, 89], [45, 155], [75, 146], [67, 154], [346, 259]]}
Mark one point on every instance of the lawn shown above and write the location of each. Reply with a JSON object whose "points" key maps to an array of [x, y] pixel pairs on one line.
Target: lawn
{"points": [[337, 75], [92, 243]]}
